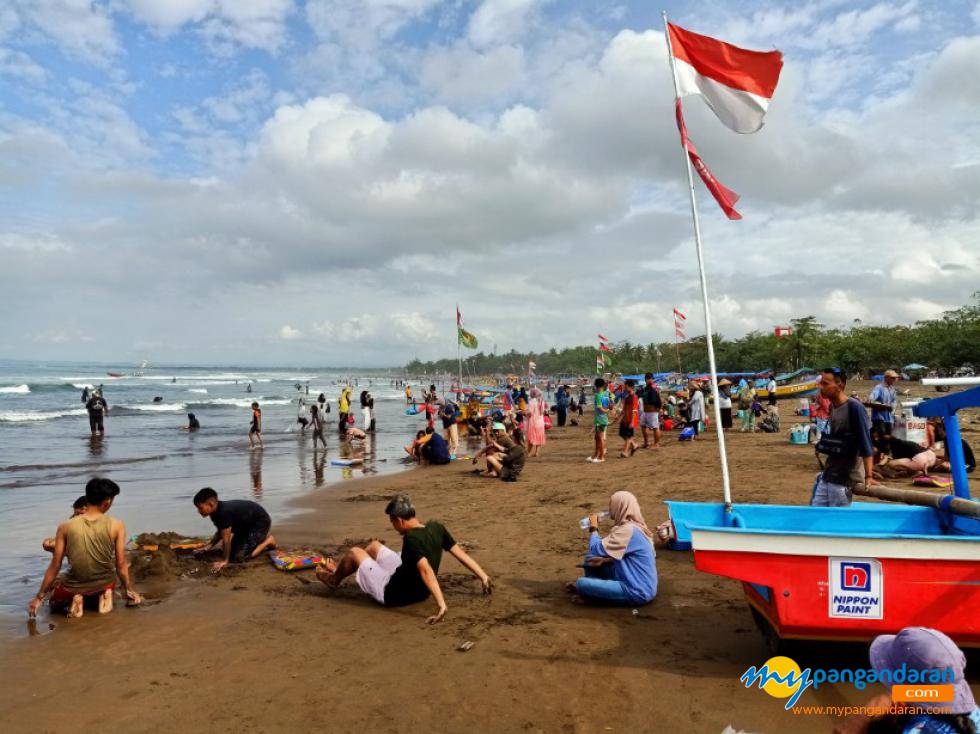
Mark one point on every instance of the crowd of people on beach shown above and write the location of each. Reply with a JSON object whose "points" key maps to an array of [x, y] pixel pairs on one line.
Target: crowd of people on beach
{"points": [[618, 568]]}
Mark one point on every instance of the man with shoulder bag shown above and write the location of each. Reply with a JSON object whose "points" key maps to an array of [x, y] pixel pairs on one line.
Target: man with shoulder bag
{"points": [[847, 446]]}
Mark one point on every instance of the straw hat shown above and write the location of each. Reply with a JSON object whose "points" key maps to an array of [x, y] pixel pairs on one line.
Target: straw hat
{"points": [[722, 382]]}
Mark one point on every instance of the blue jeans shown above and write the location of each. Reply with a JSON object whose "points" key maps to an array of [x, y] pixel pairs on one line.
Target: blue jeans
{"points": [[598, 583]]}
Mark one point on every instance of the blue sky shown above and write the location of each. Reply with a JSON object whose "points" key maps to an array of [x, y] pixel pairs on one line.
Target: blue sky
{"points": [[320, 181]]}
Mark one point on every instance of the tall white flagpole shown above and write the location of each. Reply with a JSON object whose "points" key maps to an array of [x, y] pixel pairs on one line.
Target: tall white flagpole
{"points": [[726, 481]]}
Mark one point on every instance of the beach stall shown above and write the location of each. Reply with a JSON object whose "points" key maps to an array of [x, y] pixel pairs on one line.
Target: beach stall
{"points": [[851, 573]]}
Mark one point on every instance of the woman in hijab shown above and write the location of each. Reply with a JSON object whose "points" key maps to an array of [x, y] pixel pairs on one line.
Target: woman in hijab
{"points": [[620, 568], [534, 422]]}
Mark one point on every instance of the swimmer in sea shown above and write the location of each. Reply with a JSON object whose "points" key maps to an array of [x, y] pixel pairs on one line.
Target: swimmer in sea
{"points": [[77, 508], [192, 423]]}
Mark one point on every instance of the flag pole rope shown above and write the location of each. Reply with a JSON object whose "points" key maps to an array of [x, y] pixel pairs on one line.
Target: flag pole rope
{"points": [[726, 482]]}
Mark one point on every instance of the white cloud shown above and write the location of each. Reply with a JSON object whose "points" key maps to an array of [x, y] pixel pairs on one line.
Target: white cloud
{"points": [[501, 21], [844, 307], [225, 24], [20, 65], [82, 29], [462, 75], [396, 328], [288, 333]]}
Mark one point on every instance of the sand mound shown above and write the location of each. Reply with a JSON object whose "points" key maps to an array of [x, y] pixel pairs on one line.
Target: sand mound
{"points": [[163, 564]]}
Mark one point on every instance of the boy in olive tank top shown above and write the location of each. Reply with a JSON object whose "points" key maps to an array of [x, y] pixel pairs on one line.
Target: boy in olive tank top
{"points": [[95, 545]]}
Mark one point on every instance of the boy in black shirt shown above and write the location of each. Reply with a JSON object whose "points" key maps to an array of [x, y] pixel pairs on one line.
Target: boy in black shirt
{"points": [[243, 527], [397, 581]]}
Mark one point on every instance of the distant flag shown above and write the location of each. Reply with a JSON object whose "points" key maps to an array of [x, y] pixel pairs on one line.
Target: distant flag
{"points": [[604, 347], [736, 83], [599, 363], [679, 320], [603, 338], [465, 338]]}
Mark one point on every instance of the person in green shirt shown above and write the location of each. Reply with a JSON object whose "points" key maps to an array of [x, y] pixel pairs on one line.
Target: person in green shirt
{"points": [[399, 580], [600, 421]]}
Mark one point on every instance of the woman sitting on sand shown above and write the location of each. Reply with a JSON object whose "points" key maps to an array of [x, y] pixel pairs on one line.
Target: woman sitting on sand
{"points": [[620, 568], [414, 449]]}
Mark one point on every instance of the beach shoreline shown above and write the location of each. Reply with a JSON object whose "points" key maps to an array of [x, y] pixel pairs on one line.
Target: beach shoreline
{"points": [[261, 650]]}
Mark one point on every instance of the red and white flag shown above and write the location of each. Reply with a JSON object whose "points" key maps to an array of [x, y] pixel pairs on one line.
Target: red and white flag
{"points": [[679, 315], [736, 83], [603, 338], [604, 347], [680, 334]]}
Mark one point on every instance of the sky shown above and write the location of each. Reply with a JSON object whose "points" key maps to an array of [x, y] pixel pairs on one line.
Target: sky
{"points": [[319, 182]]}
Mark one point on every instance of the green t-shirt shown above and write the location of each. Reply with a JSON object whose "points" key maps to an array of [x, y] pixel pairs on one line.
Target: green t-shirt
{"points": [[406, 585], [601, 400]]}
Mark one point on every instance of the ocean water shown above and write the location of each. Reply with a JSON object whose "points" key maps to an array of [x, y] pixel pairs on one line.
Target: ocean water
{"points": [[47, 454]]}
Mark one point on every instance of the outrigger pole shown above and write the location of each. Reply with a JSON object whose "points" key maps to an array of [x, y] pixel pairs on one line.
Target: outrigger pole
{"points": [[726, 482]]}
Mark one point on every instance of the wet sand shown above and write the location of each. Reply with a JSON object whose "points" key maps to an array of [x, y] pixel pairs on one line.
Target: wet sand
{"points": [[257, 650]]}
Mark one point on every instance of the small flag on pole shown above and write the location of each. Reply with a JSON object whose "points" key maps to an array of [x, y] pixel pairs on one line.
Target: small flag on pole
{"points": [[679, 315], [465, 338]]}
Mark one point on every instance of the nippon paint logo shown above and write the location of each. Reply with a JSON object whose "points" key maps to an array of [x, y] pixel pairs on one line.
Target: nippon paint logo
{"points": [[781, 677], [857, 588]]}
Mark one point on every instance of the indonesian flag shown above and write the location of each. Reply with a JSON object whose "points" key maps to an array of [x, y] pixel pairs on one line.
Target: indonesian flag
{"points": [[736, 83], [680, 334], [679, 315], [603, 338], [604, 348]]}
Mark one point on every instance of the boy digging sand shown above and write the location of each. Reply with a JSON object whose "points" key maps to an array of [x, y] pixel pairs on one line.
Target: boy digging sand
{"points": [[243, 528]]}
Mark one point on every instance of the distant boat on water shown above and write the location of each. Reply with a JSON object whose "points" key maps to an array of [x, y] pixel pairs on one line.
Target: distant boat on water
{"points": [[137, 373]]}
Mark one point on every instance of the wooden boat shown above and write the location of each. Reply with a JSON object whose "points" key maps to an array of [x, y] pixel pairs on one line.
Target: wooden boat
{"points": [[853, 572], [790, 386]]}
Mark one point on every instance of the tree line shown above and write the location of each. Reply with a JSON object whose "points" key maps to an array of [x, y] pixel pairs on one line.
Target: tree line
{"points": [[943, 344]]}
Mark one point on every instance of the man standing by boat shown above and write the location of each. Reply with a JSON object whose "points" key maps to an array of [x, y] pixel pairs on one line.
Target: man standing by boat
{"points": [[850, 455], [882, 402], [771, 388]]}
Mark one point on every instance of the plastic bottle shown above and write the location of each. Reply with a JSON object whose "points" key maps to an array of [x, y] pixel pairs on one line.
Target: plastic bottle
{"points": [[584, 522]]}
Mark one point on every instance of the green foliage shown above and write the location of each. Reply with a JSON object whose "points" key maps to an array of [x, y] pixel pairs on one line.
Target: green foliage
{"points": [[944, 344]]}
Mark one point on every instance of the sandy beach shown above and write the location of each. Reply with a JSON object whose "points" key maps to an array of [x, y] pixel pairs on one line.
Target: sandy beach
{"points": [[258, 650]]}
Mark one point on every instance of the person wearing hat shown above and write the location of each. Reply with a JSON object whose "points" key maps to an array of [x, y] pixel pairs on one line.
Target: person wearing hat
{"points": [[882, 402], [921, 649], [725, 402], [395, 580]]}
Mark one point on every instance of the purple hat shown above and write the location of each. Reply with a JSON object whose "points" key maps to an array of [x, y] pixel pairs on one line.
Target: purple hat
{"points": [[922, 648]]}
